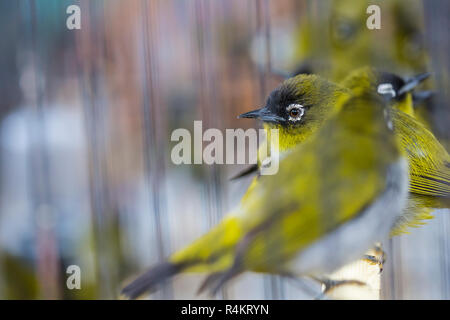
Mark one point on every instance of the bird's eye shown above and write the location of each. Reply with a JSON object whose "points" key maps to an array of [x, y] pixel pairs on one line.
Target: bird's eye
{"points": [[295, 112], [386, 89], [343, 31]]}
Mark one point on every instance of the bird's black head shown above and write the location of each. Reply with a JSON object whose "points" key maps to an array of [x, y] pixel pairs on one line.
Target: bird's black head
{"points": [[394, 87], [297, 101]]}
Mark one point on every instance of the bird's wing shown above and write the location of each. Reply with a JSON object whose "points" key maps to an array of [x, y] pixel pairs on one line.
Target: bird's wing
{"points": [[428, 160]]}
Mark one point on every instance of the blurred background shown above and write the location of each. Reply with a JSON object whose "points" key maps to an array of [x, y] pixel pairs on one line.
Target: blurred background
{"points": [[86, 116]]}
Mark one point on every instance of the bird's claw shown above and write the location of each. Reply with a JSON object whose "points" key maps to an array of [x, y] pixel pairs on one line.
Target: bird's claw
{"points": [[378, 258]]}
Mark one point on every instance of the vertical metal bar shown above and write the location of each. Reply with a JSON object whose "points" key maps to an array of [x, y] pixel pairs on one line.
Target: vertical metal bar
{"points": [[210, 111], [90, 86], [391, 287], [153, 147], [47, 251], [263, 24], [437, 25], [273, 285], [444, 247]]}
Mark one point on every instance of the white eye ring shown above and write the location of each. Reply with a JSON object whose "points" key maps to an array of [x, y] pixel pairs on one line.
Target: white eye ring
{"points": [[296, 106], [386, 88]]}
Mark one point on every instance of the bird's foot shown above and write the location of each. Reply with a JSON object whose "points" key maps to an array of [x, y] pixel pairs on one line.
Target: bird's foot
{"points": [[377, 258]]}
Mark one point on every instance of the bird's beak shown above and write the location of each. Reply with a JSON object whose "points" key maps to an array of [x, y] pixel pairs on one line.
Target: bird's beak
{"points": [[251, 114], [263, 114], [413, 82]]}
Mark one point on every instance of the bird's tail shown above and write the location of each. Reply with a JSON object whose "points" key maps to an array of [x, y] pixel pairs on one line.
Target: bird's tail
{"points": [[151, 278], [213, 252]]}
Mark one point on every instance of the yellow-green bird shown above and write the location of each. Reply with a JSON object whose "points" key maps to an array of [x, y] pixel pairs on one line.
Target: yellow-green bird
{"points": [[398, 90], [429, 162], [334, 195]]}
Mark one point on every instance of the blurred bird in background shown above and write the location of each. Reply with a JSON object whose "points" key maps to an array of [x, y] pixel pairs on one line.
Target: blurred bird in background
{"points": [[350, 44], [429, 162]]}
